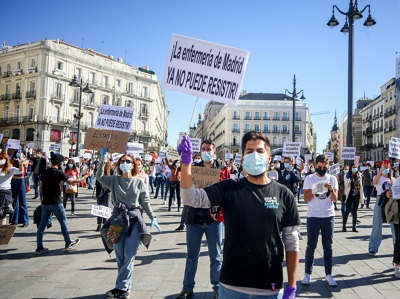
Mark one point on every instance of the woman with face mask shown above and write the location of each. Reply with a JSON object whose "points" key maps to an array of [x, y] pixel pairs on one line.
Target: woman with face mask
{"points": [[6, 173], [341, 194], [381, 180], [354, 195], [129, 195], [175, 185], [69, 191]]}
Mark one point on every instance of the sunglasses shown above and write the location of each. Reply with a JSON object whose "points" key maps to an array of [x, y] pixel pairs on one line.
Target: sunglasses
{"points": [[126, 161]]}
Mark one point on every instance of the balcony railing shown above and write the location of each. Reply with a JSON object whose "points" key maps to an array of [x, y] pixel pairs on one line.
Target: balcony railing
{"points": [[257, 117], [285, 118], [265, 131], [6, 97], [285, 131], [297, 132], [297, 119], [276, 118], [31, 94], [236, 117], [7, 74], [17, 96], [275, 131], [58, 96], [235, 131], [32, 69], [246, 130], [247, 117], [266, 118]]}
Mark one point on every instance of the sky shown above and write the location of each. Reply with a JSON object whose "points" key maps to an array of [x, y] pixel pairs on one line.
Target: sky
{"points": [[284, 38]]}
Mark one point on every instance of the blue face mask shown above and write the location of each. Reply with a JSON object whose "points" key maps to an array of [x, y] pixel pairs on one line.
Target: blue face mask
{"points": [[18, 155], [354, 170], [70, 165], [255, 164], [206, 156], [125, 167], [287, 165], [385, 171]]}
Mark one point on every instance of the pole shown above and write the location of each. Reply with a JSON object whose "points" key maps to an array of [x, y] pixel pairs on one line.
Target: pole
{"points": [[350, 85], [79, 120], [294, 106]]}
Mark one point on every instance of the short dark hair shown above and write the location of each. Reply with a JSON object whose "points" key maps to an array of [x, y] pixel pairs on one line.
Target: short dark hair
{"points": [[288, 157], [253, 135], [207, 141], [321, 158]]}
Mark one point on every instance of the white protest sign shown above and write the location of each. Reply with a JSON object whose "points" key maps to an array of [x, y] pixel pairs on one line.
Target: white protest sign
{"points": [[1, 137], [54, 147], [87, 155], [277, 158], [148, 157], [334, 169], [291, 149], [238, 159], [394, 148], [101, 211], [371, 163], [116, 118], [204, 69], [299, 161], [158, 160], [196, 143], [363, 168], [307, 158], [163, 154], [348, 153], [135, 147], [13, 143], [273, 175], [396, 192], [228, 156], [331, 156], [396, 164], [172, 154], [75, 159], [30, 145]]}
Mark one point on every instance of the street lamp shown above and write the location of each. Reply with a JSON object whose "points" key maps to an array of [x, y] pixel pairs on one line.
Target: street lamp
{"points": [[86, 89], [294, 95], [353, 14]]}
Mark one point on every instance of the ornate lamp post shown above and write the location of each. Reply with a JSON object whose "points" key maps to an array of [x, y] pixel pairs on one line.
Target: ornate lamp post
{"points": [[294, 95]]}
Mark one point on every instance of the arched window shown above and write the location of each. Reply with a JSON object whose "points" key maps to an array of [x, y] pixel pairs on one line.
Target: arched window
{"points": [[275, 141], [17, 111], [15, 134], [284, 139], [31, 111], [234, 143], [297, 139], [90, 120], [30, 134]]}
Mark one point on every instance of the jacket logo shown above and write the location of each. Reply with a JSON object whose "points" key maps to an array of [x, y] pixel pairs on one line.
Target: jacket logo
{"points": [[271, 203]]}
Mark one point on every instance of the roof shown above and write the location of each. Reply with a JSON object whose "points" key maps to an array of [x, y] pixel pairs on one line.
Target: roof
{"points": [[264, 96]]}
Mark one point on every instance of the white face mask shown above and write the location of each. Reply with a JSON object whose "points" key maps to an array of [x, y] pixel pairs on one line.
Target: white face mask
{"points": [[2, 162]]}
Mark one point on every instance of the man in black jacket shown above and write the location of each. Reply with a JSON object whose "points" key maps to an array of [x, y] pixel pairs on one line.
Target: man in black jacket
{"points": [[38, 167]]}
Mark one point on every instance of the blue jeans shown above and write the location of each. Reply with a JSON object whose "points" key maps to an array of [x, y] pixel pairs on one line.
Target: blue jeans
{"points": [[367, 194], [59, 212], [151, 183], [89, 181], [125, 252], [18, 192], [36, 183], [159, 184], [314, 226], [376, 232], [167, 186], [224, 293], [194, 234]]}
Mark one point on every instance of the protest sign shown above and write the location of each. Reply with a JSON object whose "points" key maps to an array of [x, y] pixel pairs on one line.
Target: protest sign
{"points": [[291, 149], [394, 148], [277, 158], [135, 147], [173, 154], [273, 175], [30, 145], [204, 69], [54, 147], [372, 163], [1, 137], [148, 157], [101, 211], [356, 159], [334, 169], [238, 159], [116, 118], [13, 143], [6, 232], [204, 177], [307, 158], [196, 144], [396, 192], [115, 141], [363, 168], [75, 159], [163, 154], [331, 156], [348, 153], [228, 156], [87, 156]]}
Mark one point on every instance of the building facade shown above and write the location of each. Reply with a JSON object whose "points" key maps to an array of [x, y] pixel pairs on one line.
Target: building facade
{"points": [[38, 105], [334, 143], [271, 114]]}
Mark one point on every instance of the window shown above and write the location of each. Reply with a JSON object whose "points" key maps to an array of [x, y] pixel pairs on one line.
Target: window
{"points": [[284, 139], [56, 114], [105, 81], [105, 100], [5, 112], [266, 116], [128, 103], [78, 73], [90, 120], [235, 115], [129, 88], [246, 128], [15, 133], [91, 78], [275, 141], [235, 128], [276, 115], [75, 123], [60, 66], [30, 134], [144, 110], [19, 65], [275, 128], [32, 85], [145, 92], [257, 127], [33, 64], [6, 133], [285, 116], [31, 111], [58, 90], [118, 83], [8, 89], [296, 129], [266, 128], [284, 129], [92, 100], [257, 115], [248, 115], [234, 143], [9, 67], [17, 112]]}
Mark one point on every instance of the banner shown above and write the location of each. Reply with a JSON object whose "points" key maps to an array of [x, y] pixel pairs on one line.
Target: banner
{"points": [[173, 154], [13, 143], [334, 169], [228, 156], [348, 153], [115, 141], [331, 156], [30, 145], [238, 159], [54, 147], [204, 69], [291, 149], [394, 148], [162, 155], [204, 177], [196, 144], [116, 118], [277, 158], [135, 147]]}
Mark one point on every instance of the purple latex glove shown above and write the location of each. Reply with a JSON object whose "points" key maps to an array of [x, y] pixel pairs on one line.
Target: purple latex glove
{"points": [[290, 293], [185, 150]]}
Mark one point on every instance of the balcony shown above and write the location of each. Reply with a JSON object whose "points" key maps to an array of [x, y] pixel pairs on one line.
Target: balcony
{"points": [[31, 94], [276, 118], [144, 114], [276, 131], [247, 117], [265, 131], [236, 117], [7, 74], [297, 119], [285, 131], [18, 72], [297, 132], [32, 69], [5, 97], [17, 96], [74, 100], [285, 118], [266, 118], [57, 96], [235, 131], [257, 117]]}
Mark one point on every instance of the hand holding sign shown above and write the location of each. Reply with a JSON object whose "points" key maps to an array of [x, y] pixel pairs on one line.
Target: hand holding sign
{"points": [[185, 150]]}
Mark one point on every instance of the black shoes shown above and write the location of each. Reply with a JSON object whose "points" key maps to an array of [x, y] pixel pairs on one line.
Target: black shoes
{"points": [[118, 294], [185, 295], [72, 243], [180, 227], [24, 225], [98, 227], [41, 250]]}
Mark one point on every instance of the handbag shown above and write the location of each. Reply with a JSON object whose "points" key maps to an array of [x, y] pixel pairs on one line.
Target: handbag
{"points": [[71, 189], [114, 233]]}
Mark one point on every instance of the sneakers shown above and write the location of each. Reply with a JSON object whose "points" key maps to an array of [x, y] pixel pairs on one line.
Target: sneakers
{"points": [[41, 250], [307, 279], [397, 271], [185, 295], [180, 227], [329, 279], [372, 253], [117, 293], [72, 243]]}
